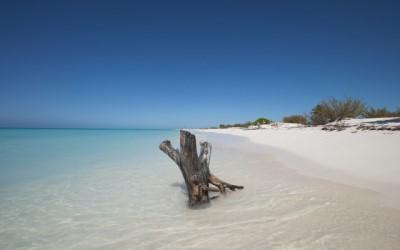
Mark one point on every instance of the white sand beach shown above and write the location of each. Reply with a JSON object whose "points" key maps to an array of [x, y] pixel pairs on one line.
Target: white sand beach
{"points": [[306, 188], [364, 158]]}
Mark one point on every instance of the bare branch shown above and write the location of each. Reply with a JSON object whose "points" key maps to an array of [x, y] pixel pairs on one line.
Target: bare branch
{"points": [[167, 148]]}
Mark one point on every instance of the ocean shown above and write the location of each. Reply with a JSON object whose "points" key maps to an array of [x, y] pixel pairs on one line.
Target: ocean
{"points": [[66, 188]]}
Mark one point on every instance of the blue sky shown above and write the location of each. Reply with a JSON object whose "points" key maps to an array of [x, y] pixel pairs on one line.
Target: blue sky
{"points": [[165, 64]]}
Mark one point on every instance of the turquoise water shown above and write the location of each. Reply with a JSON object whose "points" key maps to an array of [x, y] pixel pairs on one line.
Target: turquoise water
{"points": [[58, 186], [28, 155]]}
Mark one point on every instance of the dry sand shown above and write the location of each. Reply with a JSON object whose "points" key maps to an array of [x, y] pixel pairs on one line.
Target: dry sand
{"points": [[366, 159]]}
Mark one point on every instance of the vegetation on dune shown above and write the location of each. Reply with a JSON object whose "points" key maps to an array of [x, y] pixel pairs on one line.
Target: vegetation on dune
{"points": [[327, 111], [259, 121], [236, 125], [262, 120], [335, 110], [301, 119], [381, 112]]}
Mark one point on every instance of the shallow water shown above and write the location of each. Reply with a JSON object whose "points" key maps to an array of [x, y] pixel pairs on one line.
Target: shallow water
{"points": [[113, 189]]}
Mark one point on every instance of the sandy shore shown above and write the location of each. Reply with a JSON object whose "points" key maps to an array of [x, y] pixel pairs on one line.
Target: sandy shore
{"points": [[366, 159], [284, 208]]}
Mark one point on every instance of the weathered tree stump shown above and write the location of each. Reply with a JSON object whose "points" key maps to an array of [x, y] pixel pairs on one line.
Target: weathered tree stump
{"points": [[195, 169]]}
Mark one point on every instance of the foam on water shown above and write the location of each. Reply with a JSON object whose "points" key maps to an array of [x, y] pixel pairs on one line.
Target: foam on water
{"points": [[108, 189]]}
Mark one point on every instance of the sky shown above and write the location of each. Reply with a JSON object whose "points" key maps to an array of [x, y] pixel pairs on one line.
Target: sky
{"points": [[171, 64]]}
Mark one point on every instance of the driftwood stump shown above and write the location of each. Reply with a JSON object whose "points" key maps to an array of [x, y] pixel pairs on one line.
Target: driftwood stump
{"points": [[195, 168]]}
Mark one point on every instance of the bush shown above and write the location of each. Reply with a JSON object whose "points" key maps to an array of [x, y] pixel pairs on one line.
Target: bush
{"points": [[334, 110], [242, 125], [236, 125], [381, 112], [262, 120], [302, 119], [259, 121]]}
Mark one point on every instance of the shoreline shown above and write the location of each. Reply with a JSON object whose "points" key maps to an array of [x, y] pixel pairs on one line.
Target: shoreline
{"points": [[333, 171]]}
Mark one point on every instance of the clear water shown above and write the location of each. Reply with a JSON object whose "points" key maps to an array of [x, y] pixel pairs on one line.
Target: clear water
{"points": [[29, 155], [114, 189], [56, 184]]}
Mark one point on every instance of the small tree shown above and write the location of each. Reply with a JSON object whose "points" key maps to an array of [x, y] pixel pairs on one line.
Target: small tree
{"points": [[334, 110], [320, 114]]}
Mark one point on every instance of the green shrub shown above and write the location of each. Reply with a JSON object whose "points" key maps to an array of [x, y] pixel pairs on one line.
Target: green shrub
{"points": [[236, 125], [381, 112], [302, 119], [334, 110], [242, 125], [262, 120], [259, 121]]}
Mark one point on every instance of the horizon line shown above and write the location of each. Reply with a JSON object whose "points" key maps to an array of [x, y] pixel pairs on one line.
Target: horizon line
{"points": [[88, 128]]}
